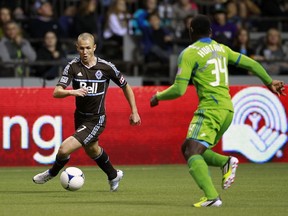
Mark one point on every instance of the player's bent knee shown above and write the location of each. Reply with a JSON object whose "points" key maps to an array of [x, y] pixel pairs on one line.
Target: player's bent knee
{"points": [[63, 153], [93, 150], [192, 147]]}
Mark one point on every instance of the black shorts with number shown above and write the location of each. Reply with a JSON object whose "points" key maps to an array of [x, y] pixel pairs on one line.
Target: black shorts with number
{"points": [[88, 127]]}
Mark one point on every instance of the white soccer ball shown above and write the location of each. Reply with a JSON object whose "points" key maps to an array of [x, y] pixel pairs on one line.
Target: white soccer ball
{"points": [[72, 178]]}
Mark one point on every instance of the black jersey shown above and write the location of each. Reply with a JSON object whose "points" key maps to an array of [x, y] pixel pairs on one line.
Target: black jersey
{"points": [[96, 79]]}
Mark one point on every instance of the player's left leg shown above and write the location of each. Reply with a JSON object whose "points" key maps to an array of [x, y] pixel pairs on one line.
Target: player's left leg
{"points": [[68, 146], [102, 159], [203, 131], [198, 169]]}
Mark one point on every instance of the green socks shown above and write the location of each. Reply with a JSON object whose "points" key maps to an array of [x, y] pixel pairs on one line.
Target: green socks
{"points": [[214, 159], [198, 169]]}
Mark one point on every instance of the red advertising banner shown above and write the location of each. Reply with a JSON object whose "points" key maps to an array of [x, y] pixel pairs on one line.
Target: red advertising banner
{"points": [[33, 124]]}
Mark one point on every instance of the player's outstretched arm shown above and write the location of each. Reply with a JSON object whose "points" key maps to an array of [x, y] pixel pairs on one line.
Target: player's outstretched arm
{"points": [[134, 116], [60, 92], [275, 86], [174, 91]]}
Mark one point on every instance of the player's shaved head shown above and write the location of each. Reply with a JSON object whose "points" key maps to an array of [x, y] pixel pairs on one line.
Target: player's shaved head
{"points": [[86, 36]]}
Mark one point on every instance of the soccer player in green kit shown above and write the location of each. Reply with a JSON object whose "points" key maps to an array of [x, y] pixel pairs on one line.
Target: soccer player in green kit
{"points": [[205, 62]]}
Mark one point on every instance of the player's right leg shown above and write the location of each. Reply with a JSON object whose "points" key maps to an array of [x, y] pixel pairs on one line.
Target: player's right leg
{"points": [[229, 172], [68, 146], [102, 159], [89, 129], [227, 164]]}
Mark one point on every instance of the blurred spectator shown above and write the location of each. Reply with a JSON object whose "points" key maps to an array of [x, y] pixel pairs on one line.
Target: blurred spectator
{"points": [[49, 51], [15, 7], [14, 47], [156, 40], [184, 39], [66, 21], [19, 14], [251, 8], [165, 11], [181, 9], [140, 17], [270, 51], [44, 21], [116, 25], [5, 16], [275, 8], [241, 45], [223, 31], [105, 4], [238, 12], [86, 18], [233, 15], [185, 34], [117, 21]]}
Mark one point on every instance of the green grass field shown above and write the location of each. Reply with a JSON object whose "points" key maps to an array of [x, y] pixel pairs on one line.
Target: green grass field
{"points": [[145, 190]]}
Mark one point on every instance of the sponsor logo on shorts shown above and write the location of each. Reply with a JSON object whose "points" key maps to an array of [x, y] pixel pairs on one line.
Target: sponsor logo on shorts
{"points": [[203, 135], [82, 128]]}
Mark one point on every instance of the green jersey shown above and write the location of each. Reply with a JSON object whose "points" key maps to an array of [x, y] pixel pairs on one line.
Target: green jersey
{"points": [[205, 62]]}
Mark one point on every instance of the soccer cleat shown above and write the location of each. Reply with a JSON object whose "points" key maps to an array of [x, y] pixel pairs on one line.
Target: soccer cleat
{"points": [[229, 172], [114, 183], [43, 177], [204, 202]]}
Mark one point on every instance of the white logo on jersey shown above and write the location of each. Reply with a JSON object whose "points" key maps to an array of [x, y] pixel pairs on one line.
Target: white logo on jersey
{"points": [[259, 126], [79, 74], [122, 80], [98, 74], [91, 89], [64, 79]]}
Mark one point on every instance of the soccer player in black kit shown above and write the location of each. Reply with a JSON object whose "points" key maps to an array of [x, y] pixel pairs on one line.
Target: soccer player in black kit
{"points": [[90, 76]]}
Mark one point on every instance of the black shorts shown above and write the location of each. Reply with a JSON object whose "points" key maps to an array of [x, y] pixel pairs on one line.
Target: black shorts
{"points": [[88, 127]]}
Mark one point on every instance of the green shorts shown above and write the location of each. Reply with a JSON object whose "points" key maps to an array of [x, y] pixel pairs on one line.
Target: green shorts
{"points": [[209, 125]]}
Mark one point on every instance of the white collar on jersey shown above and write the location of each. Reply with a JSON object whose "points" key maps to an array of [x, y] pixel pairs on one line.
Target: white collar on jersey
{"points": [[91, 65]]}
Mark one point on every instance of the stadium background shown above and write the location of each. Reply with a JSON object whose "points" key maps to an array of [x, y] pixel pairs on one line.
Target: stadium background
{"points": [[156, 141]]}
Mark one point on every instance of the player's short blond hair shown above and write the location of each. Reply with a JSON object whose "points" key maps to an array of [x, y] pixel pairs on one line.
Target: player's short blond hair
{"points": [[86, 36]]}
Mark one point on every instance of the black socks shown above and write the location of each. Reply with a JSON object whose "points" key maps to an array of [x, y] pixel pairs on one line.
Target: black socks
{"points": [[103, 162], [57, 166]]}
